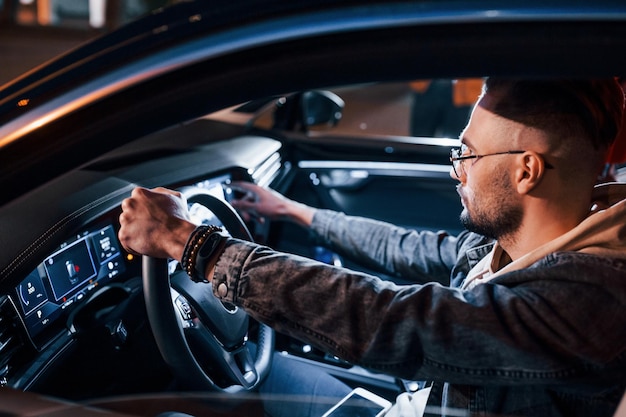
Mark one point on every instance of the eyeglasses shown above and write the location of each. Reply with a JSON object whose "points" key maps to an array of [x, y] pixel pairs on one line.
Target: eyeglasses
{"points": [[457, 158]]}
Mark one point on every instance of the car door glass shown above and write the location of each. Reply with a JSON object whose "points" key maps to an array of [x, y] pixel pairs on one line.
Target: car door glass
{"points": [[437, 108]]}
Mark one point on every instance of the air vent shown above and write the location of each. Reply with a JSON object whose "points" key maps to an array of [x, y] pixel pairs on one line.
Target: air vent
{"points": [[267, 171], [10, 340]]}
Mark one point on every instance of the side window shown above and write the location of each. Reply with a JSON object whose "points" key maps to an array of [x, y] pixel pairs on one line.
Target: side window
{"points": [[425, 108]]}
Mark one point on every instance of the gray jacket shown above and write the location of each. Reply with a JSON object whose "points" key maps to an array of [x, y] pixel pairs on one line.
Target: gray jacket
{"points": [[546, 340]]}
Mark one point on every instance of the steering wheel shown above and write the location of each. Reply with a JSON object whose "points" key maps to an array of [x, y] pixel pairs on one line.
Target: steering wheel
{"points": [[203, 340]]}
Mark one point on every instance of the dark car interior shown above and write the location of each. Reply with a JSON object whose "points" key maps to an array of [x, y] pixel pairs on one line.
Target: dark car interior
{"points": [[80, 314], [325, 120]]}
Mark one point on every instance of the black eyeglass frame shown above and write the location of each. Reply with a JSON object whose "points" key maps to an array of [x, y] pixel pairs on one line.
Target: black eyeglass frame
{"points": [[457, 159]]}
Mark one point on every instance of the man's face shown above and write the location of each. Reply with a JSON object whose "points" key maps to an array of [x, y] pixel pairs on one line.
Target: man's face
{"points": [[491, 206]]}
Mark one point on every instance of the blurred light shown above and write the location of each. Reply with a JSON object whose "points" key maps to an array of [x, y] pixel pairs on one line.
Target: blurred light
{"points": [[97, 13], [44, 12], [23, 102], [359, 173], [314, 179], [412, 386]]}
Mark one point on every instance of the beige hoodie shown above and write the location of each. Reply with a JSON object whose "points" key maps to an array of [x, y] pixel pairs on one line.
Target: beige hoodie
{"points": [[603, 232]]}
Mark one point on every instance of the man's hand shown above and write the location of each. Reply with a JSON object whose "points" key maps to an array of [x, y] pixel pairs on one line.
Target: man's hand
{"points": [[261, 203], [155, 223]]}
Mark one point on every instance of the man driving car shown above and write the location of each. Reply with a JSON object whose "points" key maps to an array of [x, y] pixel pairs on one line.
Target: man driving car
{"points": [[520, 315]]}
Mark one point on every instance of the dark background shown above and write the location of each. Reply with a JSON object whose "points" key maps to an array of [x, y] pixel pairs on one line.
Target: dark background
{"points": [[34, 31]]}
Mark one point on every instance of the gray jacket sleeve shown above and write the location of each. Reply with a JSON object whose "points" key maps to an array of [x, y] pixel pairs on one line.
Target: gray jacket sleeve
{"points": [[434, 331], [415, 256]]}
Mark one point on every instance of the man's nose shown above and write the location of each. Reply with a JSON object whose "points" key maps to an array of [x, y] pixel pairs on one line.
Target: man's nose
{"points": [[453, 174]]}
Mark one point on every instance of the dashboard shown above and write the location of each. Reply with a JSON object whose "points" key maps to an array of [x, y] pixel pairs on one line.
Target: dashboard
{"points": [[60, 307], [75, 307], [87, 261]]}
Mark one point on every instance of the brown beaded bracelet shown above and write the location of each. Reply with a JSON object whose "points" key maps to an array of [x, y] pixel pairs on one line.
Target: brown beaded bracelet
{"points": [[191, 242], [193, 245]]}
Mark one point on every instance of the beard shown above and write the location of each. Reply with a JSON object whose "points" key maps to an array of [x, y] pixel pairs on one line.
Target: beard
{"points": [[493, 214]]}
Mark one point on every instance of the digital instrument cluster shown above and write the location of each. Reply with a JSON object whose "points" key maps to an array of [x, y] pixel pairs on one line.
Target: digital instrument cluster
{"points": [[81, 264]]}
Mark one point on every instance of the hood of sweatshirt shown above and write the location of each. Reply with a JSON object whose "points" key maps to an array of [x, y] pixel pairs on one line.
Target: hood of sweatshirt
{"points": [[603, 232]]}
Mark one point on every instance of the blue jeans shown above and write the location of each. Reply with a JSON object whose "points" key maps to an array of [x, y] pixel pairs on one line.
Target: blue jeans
{"points": [[296, 389]]}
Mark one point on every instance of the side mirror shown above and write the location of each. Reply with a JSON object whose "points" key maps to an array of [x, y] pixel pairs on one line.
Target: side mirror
{"points": [[321, 107], [310, 108]]}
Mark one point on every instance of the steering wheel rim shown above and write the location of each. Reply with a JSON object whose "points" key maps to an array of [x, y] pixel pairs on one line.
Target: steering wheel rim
{"points": [[215, 330]]}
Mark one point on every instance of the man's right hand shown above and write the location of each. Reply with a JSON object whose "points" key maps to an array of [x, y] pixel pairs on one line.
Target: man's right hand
{"points": [[155, 223], [263, 203]]}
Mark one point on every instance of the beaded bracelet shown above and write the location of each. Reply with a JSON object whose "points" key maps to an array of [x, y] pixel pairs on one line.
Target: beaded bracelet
{"points": [[193, 245], [191, 242]]}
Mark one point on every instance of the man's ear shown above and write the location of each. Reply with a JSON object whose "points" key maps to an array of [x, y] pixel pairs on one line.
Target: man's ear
{"points": [[529, 171]]}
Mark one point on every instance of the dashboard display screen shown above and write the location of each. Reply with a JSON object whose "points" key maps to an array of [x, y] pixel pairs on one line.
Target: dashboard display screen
{"points": [[90, 259]]}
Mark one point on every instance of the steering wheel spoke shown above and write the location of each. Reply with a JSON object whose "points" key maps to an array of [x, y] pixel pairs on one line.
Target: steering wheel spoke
{"points": [[237, 365]]}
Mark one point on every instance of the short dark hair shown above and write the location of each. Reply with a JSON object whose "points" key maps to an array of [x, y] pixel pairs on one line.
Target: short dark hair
{"points": [[562, 108]]}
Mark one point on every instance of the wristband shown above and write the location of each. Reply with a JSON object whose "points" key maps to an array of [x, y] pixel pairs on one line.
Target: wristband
{"points": [[204, 245], [209, 253]]}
